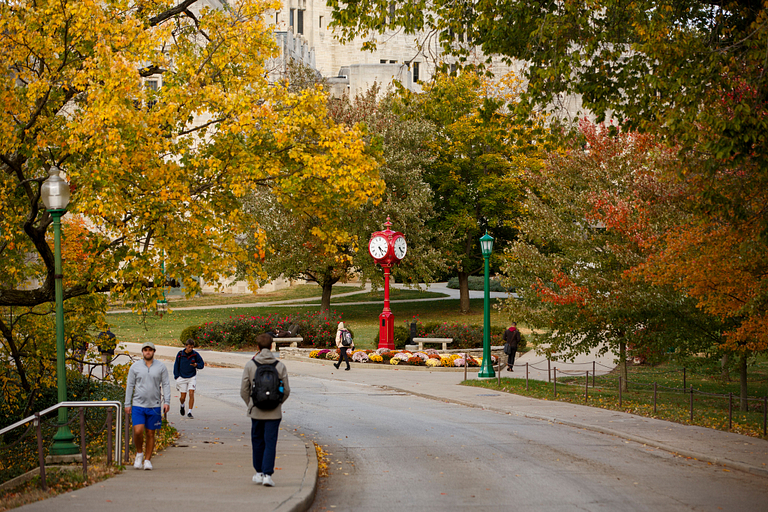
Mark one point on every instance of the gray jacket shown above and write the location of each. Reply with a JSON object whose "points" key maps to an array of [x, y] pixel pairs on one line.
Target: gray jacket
{"points": [[144, 383], [249, 372]]}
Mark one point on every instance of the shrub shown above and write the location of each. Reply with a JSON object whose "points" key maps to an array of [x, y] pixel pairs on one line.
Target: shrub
{"points": [[318, 329], [189, 332], [477, 283]]}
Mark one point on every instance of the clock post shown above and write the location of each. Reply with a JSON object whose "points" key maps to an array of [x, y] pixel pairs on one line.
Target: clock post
{"points": [[386, 318], [387, 248]]}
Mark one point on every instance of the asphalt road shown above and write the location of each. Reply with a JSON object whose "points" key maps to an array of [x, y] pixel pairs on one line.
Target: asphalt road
{"points": [[391, 451]]}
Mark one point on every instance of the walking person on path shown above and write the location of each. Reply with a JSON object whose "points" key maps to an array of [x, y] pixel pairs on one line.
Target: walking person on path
{"points": [[511, 340], [344, 341], [147, 377], [188, 363], [263, 374]]}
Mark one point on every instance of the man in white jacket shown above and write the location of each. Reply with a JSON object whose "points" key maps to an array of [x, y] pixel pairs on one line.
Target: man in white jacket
{"points": [[146, 378]]}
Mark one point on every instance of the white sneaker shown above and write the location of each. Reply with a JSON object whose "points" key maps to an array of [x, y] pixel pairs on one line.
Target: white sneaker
{"points": [[147, 465], [268, 481], [258, 478], [139, 461]]}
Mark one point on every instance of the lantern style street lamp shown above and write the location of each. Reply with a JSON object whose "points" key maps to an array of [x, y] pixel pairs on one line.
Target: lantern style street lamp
{"points": [[486, 369], [55, 196]]}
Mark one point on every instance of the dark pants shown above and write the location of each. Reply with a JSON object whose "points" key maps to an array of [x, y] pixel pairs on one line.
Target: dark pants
{"points": [[264, 442], [511, 359], [344, 356]]}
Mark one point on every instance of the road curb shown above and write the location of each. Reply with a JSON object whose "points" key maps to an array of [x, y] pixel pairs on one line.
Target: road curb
{"points": [[303, 499]]}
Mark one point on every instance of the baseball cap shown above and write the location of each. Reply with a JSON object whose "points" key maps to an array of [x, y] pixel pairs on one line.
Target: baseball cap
{"points": [[148, 344]]}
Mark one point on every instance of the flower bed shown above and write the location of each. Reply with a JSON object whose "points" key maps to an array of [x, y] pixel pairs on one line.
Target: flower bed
{"points": [[429, 358]]}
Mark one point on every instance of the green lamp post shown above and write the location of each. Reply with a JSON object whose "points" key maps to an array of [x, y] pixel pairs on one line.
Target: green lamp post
{"points": [[486, 369], [55, 195]]}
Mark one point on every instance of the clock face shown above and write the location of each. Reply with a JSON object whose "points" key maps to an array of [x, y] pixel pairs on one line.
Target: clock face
{"points": [[378, 247], [400, 247]]}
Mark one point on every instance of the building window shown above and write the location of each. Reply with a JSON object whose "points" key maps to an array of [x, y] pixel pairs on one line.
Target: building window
{"points": [[383, 61], [277, 19], [152, 85], [393, 62], [291, 17], [300, 22], [321, 22], [415, 72]]}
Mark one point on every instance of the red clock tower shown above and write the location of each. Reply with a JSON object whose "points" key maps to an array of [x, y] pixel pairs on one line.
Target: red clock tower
{"points": [[387, 248]]}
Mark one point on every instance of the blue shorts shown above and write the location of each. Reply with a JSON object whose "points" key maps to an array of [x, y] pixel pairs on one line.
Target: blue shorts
{"points": [[148, 416]]}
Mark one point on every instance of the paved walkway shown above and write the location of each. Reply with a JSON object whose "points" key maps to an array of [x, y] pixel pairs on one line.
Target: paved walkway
{"points": [[209, 468]]}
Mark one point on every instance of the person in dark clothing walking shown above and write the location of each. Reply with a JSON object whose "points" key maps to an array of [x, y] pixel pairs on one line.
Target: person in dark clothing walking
{"points": [[188, 363], [265, 423], [511, 340]]}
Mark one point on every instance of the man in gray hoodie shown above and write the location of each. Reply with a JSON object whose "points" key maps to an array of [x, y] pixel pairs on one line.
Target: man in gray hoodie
{"points": [[142, 401], [264, 422]]}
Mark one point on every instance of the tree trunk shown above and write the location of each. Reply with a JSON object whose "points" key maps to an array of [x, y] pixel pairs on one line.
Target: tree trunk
{"points": [[743, 380], [725, 373], [325, 303], [464, 292], [623, 366]]}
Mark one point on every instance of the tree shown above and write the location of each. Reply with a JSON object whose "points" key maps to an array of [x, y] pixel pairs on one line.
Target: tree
{"points": [[294, 248], [595, 212], [719, 259], [480, 154], [162, 117]]}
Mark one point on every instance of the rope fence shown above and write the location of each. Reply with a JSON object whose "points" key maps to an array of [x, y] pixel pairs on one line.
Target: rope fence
{"points": [[553, 372]]}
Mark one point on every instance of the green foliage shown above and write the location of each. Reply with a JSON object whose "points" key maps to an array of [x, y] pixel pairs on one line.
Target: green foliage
{"points": [[189, 332], [21, 458], [318, 329], [477, 283]]}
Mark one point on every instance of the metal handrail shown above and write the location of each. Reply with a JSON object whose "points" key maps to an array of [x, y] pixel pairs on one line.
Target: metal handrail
{"points": [[101, 403]]}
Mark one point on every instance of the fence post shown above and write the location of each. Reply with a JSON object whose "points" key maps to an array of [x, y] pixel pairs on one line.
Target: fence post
{"points": [[549, 372], [684, 386], [586, 388], [730, 411], [499, 372], [691, 402], [765, 415], [526, 376], [555, 382], [40, 452], [593, 374], [465, 364], [127, 455], [109, 436], [83, 445], [654, 398], [620, 391]]}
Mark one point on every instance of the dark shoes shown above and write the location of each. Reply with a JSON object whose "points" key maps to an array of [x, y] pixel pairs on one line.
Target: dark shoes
{"points": [[337, 365], [347, 368], [181, 410], [509, 369], [189, 415]]}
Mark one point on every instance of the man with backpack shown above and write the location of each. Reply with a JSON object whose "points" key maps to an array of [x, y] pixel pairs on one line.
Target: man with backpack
{"points": [[263, 388]]}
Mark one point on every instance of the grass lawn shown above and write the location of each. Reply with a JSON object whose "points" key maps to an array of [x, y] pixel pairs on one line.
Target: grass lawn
{"points": [[672, 403], [300, 291], [362, 318]]}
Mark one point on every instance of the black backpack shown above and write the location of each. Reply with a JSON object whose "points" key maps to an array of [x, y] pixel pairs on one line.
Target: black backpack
{"points": [[346, 339], [267, 387]]}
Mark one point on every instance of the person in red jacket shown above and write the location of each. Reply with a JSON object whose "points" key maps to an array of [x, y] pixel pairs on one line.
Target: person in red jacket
{"points": [[188, 363], [511, 339]]}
